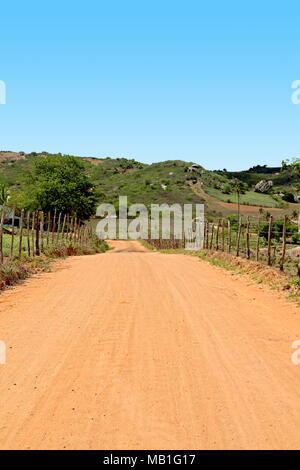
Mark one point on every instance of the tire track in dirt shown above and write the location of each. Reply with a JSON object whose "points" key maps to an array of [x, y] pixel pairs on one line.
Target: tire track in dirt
{"points": [[137, 349]]}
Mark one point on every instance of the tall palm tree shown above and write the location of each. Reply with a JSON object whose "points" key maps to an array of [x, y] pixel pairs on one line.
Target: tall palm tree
{"points": [[240, 188]]}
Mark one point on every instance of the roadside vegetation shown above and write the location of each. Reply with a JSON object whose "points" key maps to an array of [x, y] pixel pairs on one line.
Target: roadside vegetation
{"points": [[15, 269], [46, 204], [285, 282], [32, 178], [44, 183]]}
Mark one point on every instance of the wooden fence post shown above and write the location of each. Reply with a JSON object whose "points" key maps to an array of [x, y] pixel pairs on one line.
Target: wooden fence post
{"points": [[1, 233], [71, 229], [207, 236], [42, 231], [75, 227], [223, 235], [247, 238], [229, 236], [68, 227], [212, 236], [258, 237], [63, 228], [37, 235], [12, 234], [32, 234], [239, 231], [53, 226], [217, 235], [28, 235], [21, 232], [79, 228], [270, 240], [283, 242], [48, 228], [58, 227]]}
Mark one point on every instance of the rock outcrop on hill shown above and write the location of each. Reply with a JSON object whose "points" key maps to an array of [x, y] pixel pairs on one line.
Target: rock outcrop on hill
{"points": [[6, 155], [263, 186]]}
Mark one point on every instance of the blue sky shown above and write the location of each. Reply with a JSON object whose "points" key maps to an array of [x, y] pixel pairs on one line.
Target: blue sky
{"points": [[208, 82]]}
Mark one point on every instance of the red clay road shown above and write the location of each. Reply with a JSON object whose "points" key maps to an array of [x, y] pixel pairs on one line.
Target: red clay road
{"points": [[139, 350]]}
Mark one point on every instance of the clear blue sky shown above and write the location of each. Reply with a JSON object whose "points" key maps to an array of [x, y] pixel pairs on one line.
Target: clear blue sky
{"points": [[154, 80]]}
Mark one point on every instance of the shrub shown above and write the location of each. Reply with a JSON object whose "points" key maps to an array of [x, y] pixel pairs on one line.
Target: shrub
{"points": [[226, 189], [288, 197], [11, 272], [277, 229]]}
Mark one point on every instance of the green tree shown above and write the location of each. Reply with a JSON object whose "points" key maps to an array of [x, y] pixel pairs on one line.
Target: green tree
{"points": [[58, 182], [293, 164]]}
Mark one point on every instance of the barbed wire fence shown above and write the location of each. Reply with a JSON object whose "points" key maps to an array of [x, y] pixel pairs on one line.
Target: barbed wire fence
{"points": [[261, 240], [38, 233], [265, 243]]}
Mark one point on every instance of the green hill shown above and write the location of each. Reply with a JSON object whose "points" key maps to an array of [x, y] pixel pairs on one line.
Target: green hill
{"points": [[172, 181]]}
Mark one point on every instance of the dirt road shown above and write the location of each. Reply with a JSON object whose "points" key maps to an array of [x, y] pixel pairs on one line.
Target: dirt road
{"points": [[136, 349]]}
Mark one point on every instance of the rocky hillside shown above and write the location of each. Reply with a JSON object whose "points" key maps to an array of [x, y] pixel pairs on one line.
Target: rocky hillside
{"points": [[173, 181]]}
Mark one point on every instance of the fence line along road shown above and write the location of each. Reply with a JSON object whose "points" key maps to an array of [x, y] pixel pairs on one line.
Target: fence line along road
{"points": [[36, 233], [266, 242]]}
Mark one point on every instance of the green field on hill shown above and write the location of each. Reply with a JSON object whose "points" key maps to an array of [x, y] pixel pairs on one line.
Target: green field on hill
{"points": [[170, 182], [249, 198]]}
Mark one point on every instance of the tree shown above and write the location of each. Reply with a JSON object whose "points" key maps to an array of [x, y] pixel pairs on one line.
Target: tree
{"points": [[58, 182], [293, 164]]}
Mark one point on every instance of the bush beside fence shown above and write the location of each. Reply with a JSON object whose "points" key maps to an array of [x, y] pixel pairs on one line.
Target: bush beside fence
{"points": [[56, 233]]}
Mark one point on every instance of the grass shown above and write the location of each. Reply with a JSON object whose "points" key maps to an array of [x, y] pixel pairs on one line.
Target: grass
{"points": [[220, 262], [168, 182], [12, 272], [147, 245], [7, 244], [249, 198], [165, 182], [91, 247]]}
